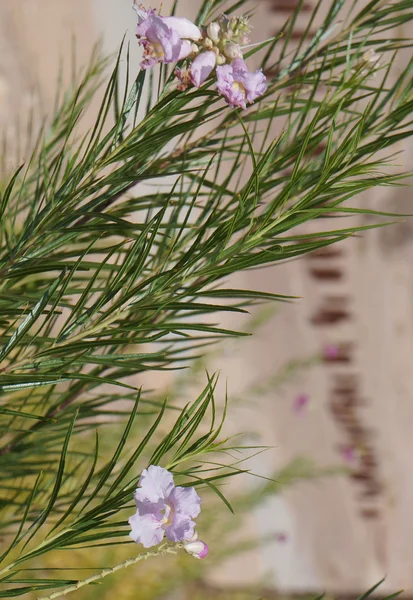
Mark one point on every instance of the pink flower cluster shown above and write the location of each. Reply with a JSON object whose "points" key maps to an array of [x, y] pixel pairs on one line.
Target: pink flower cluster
{"points": [[215, 48]]}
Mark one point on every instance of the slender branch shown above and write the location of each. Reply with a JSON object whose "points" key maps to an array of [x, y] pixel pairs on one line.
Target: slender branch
{"points": [[162, 550]]}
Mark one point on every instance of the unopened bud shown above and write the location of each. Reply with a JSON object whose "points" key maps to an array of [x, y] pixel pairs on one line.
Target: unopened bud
{"points": [[232, 50], [213, 31], [221, 60], [197, 549], [208, 43], [224, 22], [195, 49], [240, 27]]}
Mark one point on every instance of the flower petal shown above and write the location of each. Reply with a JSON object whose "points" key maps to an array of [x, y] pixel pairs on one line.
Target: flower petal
{"points": [[186, 49], [239, 66], [160, 33], [185, 501], [254, 82], [156, 484], [146, 20], [183, 27], [141, 12], [147, 507], [146, 530], [181, 528], [201, 67]]}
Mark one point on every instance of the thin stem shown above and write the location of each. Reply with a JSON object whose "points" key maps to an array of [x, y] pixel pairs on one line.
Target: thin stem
{"points": [[271, 39], [164, 549]]}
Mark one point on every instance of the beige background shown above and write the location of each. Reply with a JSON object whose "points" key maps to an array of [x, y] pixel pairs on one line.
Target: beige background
{"points": [[329, 545]]}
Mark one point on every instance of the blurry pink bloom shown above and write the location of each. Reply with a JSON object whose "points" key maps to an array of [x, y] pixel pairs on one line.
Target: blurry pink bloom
{"points": [[201, 67], [300, 403], [281, 537], [349, 454], [331, 352], [238, 85]]}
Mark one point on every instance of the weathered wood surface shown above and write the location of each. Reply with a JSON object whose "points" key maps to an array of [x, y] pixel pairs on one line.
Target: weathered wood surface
{"points": [[343, 533]]}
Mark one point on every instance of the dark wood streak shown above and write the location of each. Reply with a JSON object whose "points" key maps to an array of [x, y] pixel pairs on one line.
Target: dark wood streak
{"points": [[327, 266], [289, 6], [333, 310], [326, 273]]}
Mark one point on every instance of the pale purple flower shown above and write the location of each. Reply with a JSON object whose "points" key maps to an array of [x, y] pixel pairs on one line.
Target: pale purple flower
{"points": [[281, 537], [201, 67], [162, 508], [164, 39], [300, 403], [238, 85]]}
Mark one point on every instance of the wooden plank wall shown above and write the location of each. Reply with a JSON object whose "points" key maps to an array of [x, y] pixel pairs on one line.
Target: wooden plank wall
{"points": [[345, 533]]}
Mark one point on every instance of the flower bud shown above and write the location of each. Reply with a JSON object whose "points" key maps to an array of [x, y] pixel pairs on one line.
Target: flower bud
{"points": [[221, 60], [213, 32], [224, 22], [240, 27], [195, 49], [240, 24], [232, 50], [208, 43], [197, 549]]}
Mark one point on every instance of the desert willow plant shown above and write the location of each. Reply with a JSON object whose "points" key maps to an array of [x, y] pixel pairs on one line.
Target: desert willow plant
{"points": [[100, 283]]}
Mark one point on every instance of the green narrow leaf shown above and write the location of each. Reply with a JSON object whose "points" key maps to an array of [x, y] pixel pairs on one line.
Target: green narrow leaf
{"points": [[5, 197], [58, 482], [31, 318]]}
